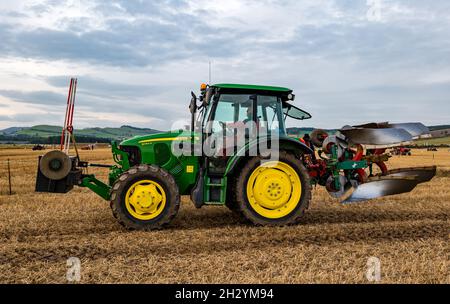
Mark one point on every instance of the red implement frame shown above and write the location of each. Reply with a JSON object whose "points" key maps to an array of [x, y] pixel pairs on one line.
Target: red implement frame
{"points": [[68, 122]]}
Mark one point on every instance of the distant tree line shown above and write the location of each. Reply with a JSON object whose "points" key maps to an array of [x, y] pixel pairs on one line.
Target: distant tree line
{"points": [[50, 139]]}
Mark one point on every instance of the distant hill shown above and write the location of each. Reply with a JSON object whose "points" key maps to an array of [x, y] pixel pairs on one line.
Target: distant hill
{"points": [[299, 132], [11, 130], [440, 133], [45, 131], [436, 141], [51, 134], [440, 127]]}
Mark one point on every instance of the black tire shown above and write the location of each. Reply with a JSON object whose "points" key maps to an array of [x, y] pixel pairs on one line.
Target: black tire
{"points": [[231, 201], [247, 210], [133, 175]]}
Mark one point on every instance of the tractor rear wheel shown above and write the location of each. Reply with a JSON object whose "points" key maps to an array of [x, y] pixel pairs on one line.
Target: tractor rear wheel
{"points": [[145, 197], [231, 202], [273, 193]]}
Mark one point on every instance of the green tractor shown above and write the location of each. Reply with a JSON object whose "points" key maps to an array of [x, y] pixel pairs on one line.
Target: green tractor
{"points": [[237, 154]]}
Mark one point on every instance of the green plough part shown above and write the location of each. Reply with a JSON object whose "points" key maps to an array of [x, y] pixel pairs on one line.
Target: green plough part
{"points": [[351, 165]]}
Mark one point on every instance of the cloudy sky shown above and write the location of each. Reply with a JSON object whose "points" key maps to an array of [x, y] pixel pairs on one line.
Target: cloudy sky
{"points": [[136, 61]]}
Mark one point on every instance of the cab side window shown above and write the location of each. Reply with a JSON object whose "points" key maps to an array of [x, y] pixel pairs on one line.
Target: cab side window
{"points": [[269, 114]]}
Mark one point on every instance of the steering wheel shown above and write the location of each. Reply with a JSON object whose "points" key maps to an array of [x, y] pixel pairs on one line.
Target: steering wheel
{"points": [[225, 126], [222, 124]]}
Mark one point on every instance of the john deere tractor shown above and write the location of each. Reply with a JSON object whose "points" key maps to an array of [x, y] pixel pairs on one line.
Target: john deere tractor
{"points": [[238, 154]]}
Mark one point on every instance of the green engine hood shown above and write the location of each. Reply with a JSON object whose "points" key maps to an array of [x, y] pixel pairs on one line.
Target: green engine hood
{"points": [[159, 137]]}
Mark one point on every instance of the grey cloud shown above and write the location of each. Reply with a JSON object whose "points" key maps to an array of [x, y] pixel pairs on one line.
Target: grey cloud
{"points": [[57, 45], [13, 14], [41, 7], [26, 119], [433, 91], [5, 118], [159, 32], [163, 32], [96, 87], [162, 111], [371, 46], [34, 97], [159, 8], [121, 105], [437, 8], [171, 35], [102, 47], [5, 36], [425, 103]]}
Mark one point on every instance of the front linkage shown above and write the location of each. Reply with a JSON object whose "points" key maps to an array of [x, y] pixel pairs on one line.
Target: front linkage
{"points": [[52, 177], [97, 186]]}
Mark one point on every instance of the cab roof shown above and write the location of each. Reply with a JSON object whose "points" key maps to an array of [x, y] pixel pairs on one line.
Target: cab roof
{"points": [[233, 86]]}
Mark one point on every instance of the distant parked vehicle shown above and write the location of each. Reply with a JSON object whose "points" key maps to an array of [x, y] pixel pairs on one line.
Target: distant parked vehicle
{"points": [[38, 148], [401, 151], [88, 147], [434, 149]]}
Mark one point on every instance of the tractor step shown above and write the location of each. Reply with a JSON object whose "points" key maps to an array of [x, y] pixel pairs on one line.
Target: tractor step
{"points": [[215, 190], [214, 203]]}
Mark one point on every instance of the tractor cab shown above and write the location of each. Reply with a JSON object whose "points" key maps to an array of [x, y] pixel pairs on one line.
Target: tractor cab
{"points": [[225, 107], [231, 118], [232, 115]]}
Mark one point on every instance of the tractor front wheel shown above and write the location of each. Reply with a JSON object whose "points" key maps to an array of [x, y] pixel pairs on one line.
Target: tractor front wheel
{"points": [[146, 197], [273, 193]]}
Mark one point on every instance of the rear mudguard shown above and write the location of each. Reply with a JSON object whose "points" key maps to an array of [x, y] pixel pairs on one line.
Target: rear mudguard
{"points": [[285, 144]]}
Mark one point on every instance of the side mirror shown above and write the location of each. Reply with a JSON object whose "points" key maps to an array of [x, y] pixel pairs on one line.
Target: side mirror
{"points": [[193, 104], [207, 97], [294, 112]]}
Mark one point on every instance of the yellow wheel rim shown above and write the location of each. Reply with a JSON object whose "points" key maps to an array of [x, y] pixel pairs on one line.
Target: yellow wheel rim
{"points": [[145, 200], [274, 189]]}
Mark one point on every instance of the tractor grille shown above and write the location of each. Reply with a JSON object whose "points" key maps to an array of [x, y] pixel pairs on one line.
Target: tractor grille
{"points": [[134, 154], [176, 170]]}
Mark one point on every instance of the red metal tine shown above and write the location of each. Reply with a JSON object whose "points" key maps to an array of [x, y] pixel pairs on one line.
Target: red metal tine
{"points": [[69, 97]]}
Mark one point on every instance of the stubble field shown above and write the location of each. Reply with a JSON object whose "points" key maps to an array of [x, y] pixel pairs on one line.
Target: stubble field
{"points": [[408, 233]]}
